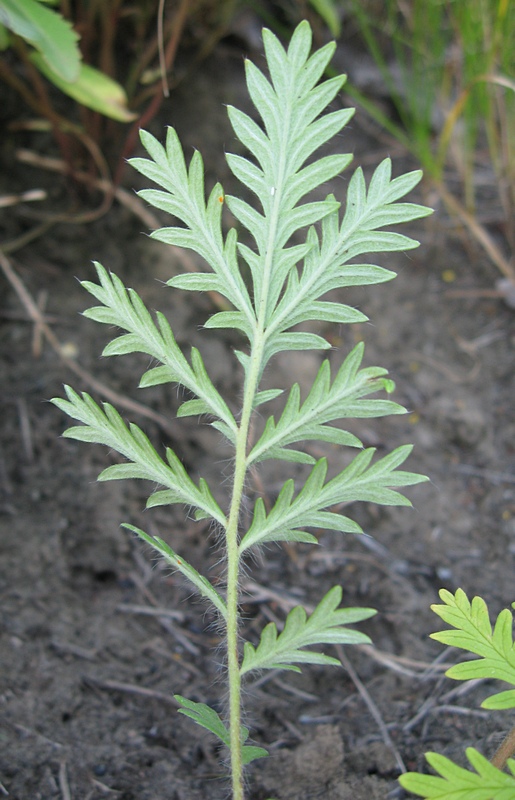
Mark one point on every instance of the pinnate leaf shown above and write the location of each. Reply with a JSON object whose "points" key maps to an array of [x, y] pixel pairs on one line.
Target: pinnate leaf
{"points": [[183, 197], [326, 265], [326, 625], [473, 633], [325, 402], [361, 480], [105, 426], [125, 309], [457, 783]]}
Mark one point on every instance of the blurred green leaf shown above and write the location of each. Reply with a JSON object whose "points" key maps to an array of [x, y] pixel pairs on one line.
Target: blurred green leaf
{"points": [[4, 37], [47, 31], [92, 89], [327, 10]]}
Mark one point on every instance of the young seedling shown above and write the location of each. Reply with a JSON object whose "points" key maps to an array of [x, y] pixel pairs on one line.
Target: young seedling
{"points": [[288, 272], [473, 633]]}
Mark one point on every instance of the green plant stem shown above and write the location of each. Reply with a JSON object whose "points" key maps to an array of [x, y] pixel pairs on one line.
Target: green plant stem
{"points": [[240, 471], [233, 658], [233, 559]]}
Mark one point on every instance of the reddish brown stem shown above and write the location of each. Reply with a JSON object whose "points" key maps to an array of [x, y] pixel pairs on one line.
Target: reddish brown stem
{"points": [[505, 751]]}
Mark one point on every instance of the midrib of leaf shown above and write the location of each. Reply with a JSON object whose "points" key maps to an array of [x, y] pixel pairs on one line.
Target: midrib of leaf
{"points": [[262, 311], [251, 387], [253, 375], [214, 247]]}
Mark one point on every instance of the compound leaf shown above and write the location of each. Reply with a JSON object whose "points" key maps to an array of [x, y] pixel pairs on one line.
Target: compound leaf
{"points": [[288, 105], [473, 633], [326, 266], [183, 197], [457, 783]]}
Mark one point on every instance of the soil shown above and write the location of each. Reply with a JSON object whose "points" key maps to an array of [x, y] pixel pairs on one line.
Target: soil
{"points": [[96, 637]]}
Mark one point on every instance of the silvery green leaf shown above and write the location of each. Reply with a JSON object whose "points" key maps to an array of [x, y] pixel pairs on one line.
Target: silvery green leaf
{"points": [[250, 134], [124, 308], [319, 132], [394, 214], [400, 186], [294, 340], [265, 100], [201, 583], [361, 480], [299, 246], [184, 198], [281, 151], [326, 401], [266, 395], [312, 68], [196, 282], [314, 175], [249, 217], [326, 625], [230, 319], [303, 216], [105, 426], [326, 264], [247, 173], [314, 103]]}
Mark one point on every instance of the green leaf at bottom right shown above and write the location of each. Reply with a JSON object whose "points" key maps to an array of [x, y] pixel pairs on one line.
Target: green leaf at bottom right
{"points": [[457, 783]]}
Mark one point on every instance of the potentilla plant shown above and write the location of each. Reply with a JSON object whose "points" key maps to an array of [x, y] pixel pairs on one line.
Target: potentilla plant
{"points": [[296, 251], [472, 631]]}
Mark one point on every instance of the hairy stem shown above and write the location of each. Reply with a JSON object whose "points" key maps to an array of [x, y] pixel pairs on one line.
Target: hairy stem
{"points": [[240, 471], [233, 658]]}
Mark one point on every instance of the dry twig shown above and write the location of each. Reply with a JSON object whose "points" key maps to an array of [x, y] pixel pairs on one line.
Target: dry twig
{"points": [[374, 711], [129, 688], [63, 782], [37, 317]]}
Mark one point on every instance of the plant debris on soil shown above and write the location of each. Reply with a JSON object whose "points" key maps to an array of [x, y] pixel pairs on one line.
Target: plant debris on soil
{"points": [[96, 636]]}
